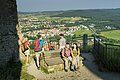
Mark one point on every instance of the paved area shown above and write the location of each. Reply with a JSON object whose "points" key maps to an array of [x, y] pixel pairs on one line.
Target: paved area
{"points": [[88, 72], [90, 64]]}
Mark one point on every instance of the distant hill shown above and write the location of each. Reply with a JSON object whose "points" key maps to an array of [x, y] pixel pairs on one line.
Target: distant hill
{"points": [[99, 17], [52, 13], [28, 12], [91, 13], [48, 13]]}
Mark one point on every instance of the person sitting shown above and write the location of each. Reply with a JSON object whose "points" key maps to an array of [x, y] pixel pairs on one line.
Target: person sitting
{"points": [[76, 55], [67, 56]]}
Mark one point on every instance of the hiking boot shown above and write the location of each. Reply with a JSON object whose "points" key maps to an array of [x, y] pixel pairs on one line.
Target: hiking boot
{"points": [[75, 69], [78, 67], [38, 68], [72, 70], [66, 70]]}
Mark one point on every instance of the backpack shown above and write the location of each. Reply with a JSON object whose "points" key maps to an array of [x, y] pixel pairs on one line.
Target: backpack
{"points": [[36, 45], [25, 46]]}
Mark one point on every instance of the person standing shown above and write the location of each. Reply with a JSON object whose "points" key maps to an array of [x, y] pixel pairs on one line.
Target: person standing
{"points": [[26, 50], [39, 50], [62, 41]]}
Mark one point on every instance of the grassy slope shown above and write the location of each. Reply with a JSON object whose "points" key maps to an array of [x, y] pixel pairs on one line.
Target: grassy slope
{"points": [[114, 34], [81, 32]]}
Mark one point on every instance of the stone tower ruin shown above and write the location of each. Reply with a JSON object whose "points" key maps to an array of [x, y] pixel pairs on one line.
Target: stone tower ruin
{"points": [[8, 32]]}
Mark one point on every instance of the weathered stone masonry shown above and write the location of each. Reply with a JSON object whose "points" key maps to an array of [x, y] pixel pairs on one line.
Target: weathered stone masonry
{"points": [[8, 33]]}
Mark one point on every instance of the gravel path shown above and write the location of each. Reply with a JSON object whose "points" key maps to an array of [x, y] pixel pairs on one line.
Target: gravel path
{"points": [[88, 72]]}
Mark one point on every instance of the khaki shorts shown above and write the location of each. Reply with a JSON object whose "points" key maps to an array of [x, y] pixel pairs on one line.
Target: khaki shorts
{"points": [[62, 47], [38, 53]]}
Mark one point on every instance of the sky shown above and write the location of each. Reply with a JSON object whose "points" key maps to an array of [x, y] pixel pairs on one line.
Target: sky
{"points": [[55, 5]]}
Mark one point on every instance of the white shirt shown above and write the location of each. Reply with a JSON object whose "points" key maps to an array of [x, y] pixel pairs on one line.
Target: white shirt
{"points": [[62, 42]]}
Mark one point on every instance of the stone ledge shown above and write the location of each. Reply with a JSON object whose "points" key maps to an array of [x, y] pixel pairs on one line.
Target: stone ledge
{"points": [[55, 64], [54, 61], [52, 65]]}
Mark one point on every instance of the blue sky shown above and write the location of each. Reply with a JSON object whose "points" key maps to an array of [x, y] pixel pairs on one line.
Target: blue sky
{"points": [[53, 5]]}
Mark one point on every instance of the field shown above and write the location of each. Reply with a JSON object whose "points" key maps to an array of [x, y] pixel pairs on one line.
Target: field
{"points": [[81, 32], [113, 34]]}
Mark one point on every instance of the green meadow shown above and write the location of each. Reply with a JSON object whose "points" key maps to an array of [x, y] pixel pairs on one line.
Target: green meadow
{"points": [[81, 32], [113, 34]]}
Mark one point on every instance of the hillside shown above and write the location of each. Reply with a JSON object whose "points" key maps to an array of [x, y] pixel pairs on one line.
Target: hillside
{"points": [[47, 13], [113, 34], [82, 32], [91, 13], [100, 17]]}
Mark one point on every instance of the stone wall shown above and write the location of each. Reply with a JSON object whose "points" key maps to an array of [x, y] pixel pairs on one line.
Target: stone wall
{"points": [[8, 32]]}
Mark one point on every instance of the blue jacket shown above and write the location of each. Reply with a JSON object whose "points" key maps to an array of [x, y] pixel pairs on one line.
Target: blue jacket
{"points": [[41, 43]]}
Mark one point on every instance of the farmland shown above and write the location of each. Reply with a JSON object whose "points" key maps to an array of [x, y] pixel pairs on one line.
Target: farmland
{"points": [[113, 34], [81, 32]]}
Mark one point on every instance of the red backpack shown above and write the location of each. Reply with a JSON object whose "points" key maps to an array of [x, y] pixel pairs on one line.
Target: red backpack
{"points": [[26, 44], [36, 45]]}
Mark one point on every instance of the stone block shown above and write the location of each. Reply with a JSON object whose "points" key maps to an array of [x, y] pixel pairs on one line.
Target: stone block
{"points": [[52, 64]]}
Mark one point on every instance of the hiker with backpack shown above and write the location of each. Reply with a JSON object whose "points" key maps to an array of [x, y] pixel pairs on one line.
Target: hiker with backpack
{"points": [[26, 50], [76, 55], [67, 56], [39, 50]]}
